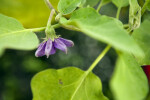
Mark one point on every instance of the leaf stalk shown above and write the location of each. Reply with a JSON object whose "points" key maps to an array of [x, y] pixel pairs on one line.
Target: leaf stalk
{"points": [[144, 7], [99, 58]]}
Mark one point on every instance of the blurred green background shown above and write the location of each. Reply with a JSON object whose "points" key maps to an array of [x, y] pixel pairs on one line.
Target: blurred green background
{"points": [[18, 67]]}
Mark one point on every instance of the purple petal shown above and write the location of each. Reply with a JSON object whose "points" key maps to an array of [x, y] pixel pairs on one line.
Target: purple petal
{"points": [[60, 45], [53, 51], [68, 43], [41, 50], [48, 48]]}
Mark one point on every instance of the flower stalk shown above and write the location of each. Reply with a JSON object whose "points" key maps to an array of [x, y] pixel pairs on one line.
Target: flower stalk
{"points": [[50, 31], [49, 4]]}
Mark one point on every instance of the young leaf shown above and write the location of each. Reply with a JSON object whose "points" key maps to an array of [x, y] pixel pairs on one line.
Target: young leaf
{"points": [[103, 28], [142, 37], [121, 3], [13, 35], [66, 84], [134, 14], [67, 6], [129, 82]]}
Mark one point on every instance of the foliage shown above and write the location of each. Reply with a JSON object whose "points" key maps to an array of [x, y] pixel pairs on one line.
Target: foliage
{"points": [[13, 35], [129, 79], [68, 84], [131, 42], [142, 36], [84, 20]]}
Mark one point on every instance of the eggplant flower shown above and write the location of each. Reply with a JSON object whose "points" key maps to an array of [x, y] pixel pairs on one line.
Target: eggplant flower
{"points": [[49, 47]]}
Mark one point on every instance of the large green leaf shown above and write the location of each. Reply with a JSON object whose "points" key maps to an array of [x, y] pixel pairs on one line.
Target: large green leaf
{"points": [[68, 6], [31, 13], [121, 3], [13, 35], [103, 28], [134, 14], [142, 37], [129, 82], [66, 84]]}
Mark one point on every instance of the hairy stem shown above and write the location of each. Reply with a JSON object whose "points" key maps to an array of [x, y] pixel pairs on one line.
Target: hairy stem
{"points": [[50, 18], [49, 4], [99, 58], [144, 7], [50, 31]]}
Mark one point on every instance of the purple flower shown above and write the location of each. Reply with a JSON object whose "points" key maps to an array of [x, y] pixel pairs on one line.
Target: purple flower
{"points": [[49, 47]]}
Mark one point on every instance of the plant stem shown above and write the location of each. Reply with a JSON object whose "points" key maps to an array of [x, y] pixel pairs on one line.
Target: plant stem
{"points": [[118, 13], [126, 25], [43, 28], [144, 6], [49, 4], [38, 29], [56, 26], [50, 18], [98, 59], [99, 6], [71, 28], [50, 31]]}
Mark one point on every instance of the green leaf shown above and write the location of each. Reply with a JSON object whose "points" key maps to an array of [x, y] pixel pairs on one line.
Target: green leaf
{"points": [[103, 28], [142, 37], [66, 84], [134, 15], [31, 13], [68, 6], [92, 3], [121, 3], [129, 82], [82, 3], [14, 36]]}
